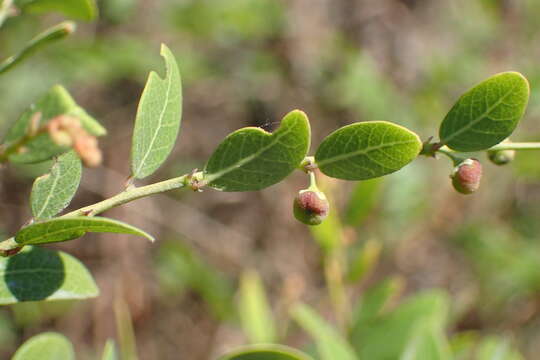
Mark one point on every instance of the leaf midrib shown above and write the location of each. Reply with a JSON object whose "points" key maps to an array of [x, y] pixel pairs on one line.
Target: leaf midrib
{"points": [[363, 151], [480, 117]]}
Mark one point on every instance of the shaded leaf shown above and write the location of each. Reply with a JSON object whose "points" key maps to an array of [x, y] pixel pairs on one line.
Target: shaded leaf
{"points": [[46, 346], [486, 114], [252, 159], [37, 274], [77, 9], [52, 192], [367, 150], [69, 228], [255, 312], [330, 345], [364, 260], [158, 119], [55, 102], [48, 36], [265, 352], [362, 201]]}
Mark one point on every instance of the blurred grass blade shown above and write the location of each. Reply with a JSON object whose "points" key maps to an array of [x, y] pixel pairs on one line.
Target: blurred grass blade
{"points": [[52, 192], [158, 119], [330, 344], [265, 352], [126, 335], [362, 201], [109, 351], [364, 261], [427, 343], [496, 348], [60, 277], [46, 346], [69, 228], [255, 312], [50, 35], [78, 9]]}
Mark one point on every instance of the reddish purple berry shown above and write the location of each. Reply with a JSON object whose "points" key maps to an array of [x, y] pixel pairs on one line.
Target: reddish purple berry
{"points": [[310, 207], [466, 176]]}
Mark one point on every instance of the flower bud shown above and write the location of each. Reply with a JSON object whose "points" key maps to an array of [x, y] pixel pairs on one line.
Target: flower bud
{"points": [[466, 176], [501, 157], [310, 207]]}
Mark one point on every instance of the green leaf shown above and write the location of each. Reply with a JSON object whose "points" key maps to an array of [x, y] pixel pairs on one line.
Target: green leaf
{"points": [[48, 36], [364, 261], [109, 352], [330, 344], [158, 119], [55, 102], [252, 159], [255, 313], [496, 348], [52, 192], [486, 114], [69, 228], [77, 9], [427, 343], [367, 150], [37, 274], [265, 352], [46, 346], [362, 201]]}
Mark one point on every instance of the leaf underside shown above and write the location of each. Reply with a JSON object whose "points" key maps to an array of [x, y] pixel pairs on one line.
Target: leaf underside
{"points": [[486, 114], [69, 228], [265, 352], [52, 192], [251, 159], [158, 119], [367, 150], [37, 274]]}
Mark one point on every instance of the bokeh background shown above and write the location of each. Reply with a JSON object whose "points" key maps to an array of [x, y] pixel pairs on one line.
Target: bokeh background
{"points": [[247, 63]]}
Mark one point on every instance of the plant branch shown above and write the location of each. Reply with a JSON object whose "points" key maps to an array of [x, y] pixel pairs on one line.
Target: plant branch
{"points": [[516, 146]]}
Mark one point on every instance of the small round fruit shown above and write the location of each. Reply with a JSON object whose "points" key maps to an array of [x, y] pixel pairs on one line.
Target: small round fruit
{"points": [[310, 207], [466, 176], [501, 157]]}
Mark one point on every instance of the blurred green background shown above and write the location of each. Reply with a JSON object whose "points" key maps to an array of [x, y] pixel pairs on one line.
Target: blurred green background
{"points": [[247, 63]]}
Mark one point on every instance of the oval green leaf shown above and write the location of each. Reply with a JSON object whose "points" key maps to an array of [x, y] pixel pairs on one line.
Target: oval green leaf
{"points": [[77, 9], [252, 159], [46, 346], [55, 102], [69, 228], [330, 344], [52, 192], [37, 274], [486, 114], [265, 352], [158, 119], [367, 150]]}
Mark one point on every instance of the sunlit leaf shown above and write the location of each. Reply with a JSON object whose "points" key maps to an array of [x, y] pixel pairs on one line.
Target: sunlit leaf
{"points": [[330, 344], [265, 352], [37, 274], [69, 228], [109, 352], [367, 150], [255, 312], [77, 9], [55, 102], [52, 192], [46, 346], [486, 114], [158, 119], [496, 348], [253, 159]]}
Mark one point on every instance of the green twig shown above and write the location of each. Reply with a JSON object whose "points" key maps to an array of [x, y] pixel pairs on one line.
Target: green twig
{"points": [[516, 146], [52, 34], [5, 9]]}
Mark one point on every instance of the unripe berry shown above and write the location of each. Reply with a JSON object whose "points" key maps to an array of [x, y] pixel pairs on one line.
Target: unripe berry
{"points": [[501, 157], [466, 176], [310, 207]]}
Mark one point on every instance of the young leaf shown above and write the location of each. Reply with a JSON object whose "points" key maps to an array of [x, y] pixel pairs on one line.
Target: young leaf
{"points": [[367, 150], [69, 228], [265, 352], [255, 313], [50, 35], [109, 352], [52, 192], [158, 119], [486, 114], [55, 102], [330, 344], [428, 342], [496, 348], [37, 274], [46, 346], [252, 159], [77, 9]]}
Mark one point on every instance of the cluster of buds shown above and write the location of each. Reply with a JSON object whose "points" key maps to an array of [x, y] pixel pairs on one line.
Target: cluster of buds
{"points": [[466, 176], [67, 131]]}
